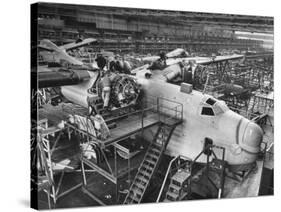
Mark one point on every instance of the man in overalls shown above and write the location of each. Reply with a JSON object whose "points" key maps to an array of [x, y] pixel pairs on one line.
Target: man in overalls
{"points": [[106, 88]]}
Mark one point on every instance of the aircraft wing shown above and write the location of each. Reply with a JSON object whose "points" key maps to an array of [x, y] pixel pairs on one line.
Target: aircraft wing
{"points": [[150, 58], [78, 44], [143, 70], [45, 48], [217, 59], [175, 53], [47, 77]]}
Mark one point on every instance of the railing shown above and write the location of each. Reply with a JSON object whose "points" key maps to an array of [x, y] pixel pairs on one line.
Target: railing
{"points": [[175, 164], [168, 172], [145, 157], [167, 109], [158, 108]]}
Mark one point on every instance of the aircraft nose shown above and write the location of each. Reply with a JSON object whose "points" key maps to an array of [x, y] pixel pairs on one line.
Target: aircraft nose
{"points": [[252, 138]]}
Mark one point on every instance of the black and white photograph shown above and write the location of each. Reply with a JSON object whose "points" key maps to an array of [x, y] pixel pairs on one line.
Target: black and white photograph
{"points": [[141, 105]]}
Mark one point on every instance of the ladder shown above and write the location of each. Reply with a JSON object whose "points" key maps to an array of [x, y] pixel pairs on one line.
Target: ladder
{"points": [[149, 164], [179, 186]]}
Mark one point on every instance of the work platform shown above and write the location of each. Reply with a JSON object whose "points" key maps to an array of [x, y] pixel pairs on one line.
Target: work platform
{"points": [[107, 164], [127, 124]]}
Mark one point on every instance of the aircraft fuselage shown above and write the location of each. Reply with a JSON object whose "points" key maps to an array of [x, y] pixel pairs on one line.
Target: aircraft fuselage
{"points": [[239, 136]]}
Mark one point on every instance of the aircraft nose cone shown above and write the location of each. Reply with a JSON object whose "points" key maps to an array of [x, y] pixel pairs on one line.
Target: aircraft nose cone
{"points": [[252, 138]]}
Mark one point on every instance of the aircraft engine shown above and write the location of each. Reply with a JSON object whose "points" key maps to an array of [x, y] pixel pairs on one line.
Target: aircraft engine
{"points": [[124, 91]]}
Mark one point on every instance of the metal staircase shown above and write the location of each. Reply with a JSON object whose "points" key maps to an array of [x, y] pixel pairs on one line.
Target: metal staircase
{"points": [[149, 164], [179, 186]]}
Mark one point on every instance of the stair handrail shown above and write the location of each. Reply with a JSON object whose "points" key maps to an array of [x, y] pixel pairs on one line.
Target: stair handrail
{"points": [[150, 145], [161, 106], [166, 176]]}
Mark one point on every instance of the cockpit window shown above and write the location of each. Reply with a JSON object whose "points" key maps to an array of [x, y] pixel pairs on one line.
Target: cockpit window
{"points": [[207, 111], [211, 101]]}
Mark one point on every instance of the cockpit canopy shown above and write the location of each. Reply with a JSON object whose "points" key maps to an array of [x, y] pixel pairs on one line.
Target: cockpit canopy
{"points": [[212, 107]]}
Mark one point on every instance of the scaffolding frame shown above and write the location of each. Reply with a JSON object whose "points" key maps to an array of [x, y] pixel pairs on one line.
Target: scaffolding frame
{"points": [[162, 110], [44, 153]]}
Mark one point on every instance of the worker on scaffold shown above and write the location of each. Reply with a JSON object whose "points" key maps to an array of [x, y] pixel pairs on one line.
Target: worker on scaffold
{"points": [[106, 88]]}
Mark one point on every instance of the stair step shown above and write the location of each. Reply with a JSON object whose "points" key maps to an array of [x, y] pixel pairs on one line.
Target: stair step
{"points": [[175, 187], [162, 136], [173, 195], [138, 186], [134, 198], [156, 146], [159, 140], [137, 192], [153, 157], [145, 174], [145, 171], [152, 162], [143, 179], [146, 167], [155, 150]]}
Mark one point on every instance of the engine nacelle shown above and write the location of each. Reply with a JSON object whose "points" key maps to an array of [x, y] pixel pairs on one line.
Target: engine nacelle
{"points": [[124, 91]]}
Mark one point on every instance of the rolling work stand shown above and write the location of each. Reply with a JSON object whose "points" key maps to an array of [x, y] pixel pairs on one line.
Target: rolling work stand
{"points": [[183, 182]]}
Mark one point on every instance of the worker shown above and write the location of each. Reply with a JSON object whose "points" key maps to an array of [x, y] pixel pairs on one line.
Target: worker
{"points": [[111, 64], [80, 38], [160, 63], [126, 67], [163, 58], [118, 64], [106, 88], [187, 74], [101, 61]]}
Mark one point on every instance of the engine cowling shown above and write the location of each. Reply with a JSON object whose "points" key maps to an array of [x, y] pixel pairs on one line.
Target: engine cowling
{"points": [[124, 91]]}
